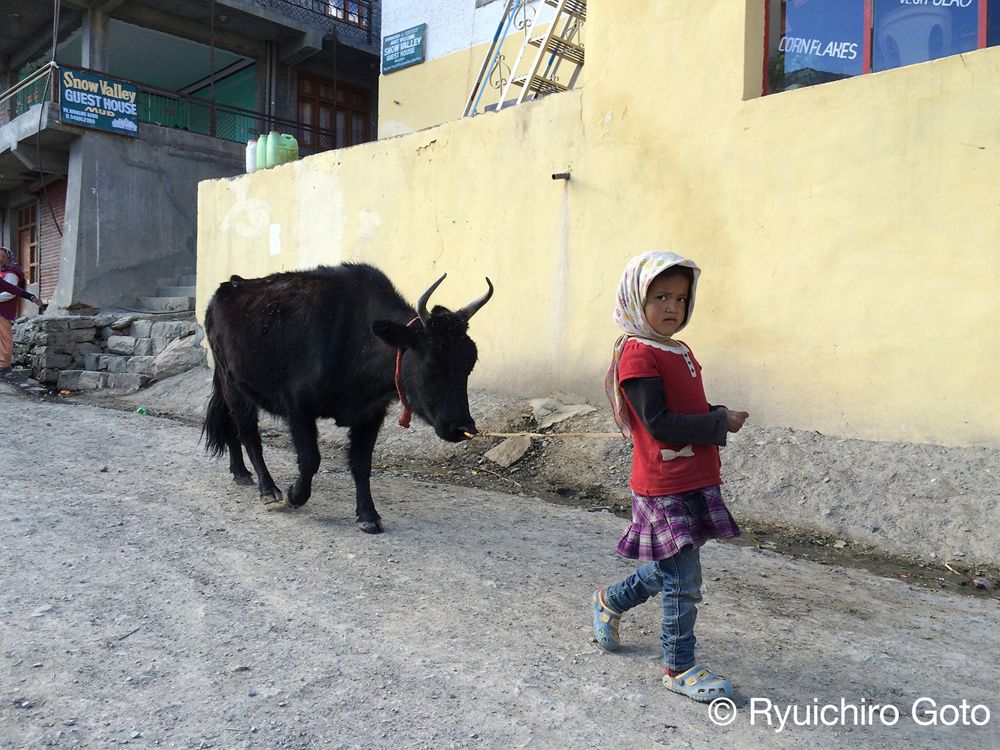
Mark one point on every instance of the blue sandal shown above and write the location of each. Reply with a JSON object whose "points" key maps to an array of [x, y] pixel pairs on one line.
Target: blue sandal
{"points": [[606, 622], [699, 684]]}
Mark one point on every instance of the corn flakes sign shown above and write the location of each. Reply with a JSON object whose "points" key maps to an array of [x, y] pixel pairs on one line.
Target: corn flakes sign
{"points": [[96, 101]]}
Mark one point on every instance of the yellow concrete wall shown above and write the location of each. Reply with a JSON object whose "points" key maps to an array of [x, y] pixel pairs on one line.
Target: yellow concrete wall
{"points": [[848, 232]]}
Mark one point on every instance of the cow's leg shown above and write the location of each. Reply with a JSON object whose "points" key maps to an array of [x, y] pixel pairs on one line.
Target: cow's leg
{"points": [[307, 452], [241, 475], [220, 430], [360, 459], [245, 416]]}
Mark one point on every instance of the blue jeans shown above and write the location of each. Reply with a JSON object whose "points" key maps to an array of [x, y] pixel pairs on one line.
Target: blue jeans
{"points": [[679, 579]]}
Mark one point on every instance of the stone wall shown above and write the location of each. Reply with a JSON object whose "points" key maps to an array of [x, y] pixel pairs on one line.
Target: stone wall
{"points": [[124, 352]]}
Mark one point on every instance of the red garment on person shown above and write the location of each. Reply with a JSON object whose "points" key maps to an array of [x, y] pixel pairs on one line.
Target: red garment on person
{"points": [[684, 393], [8, 308]]}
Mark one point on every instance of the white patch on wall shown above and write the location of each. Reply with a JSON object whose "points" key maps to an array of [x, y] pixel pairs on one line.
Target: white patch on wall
{"points": [[321, 228], [369, 224], [247, 217], [453, 25], [274, 239], [560, 303]]}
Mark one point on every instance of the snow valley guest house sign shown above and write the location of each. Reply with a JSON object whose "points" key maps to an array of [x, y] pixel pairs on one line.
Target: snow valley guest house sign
{"points": [[403, 49], [97, 101]]}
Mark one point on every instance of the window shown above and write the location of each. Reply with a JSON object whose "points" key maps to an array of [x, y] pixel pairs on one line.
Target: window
{"points": [[339, 113], [354, 12], [815, 41]]}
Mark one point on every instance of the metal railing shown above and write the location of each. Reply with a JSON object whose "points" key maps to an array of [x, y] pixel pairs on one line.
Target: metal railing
{"points": [[225, 122], [172, 110], [23, 95]]}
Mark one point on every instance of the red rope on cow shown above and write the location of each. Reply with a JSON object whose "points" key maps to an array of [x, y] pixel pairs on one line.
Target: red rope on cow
{"points": [[407, 415]]}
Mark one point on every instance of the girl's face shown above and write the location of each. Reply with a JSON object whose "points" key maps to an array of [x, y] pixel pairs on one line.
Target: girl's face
{"points": [[666, 303]]}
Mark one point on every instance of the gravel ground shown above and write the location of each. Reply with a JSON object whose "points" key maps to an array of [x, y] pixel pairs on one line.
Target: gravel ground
{"points": [[148, 601]]}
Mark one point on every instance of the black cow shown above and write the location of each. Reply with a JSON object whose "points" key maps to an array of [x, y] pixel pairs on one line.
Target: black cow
{"points": [[332, 342]]}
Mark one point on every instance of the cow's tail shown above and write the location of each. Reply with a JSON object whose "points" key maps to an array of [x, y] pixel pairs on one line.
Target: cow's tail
{"points": [[219, 428]]}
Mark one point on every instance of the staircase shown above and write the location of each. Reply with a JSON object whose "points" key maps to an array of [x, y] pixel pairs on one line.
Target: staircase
{"points": [[178, 297], [556, 56]]}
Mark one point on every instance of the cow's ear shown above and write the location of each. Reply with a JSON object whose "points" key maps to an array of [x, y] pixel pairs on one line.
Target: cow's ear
{"points": [[394, 334]]}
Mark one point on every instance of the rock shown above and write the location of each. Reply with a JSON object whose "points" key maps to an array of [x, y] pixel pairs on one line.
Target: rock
{"points": [[128, 382], [550, 411], [142, 365], [89, 380], [142, 329], [68, 380], [510, 451], [179, 356], [124, 345]]}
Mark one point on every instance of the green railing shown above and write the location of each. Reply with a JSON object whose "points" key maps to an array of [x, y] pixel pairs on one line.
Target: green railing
{"points": [[172, 110], [224, 121]]}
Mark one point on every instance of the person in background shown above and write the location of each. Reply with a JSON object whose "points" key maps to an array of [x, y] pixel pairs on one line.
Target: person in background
{"points": [[12, 288]]}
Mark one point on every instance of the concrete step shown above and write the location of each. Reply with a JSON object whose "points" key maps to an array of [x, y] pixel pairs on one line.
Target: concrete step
{"points": [[175, 291], [167, 304], [86, 380], [188, 280]]}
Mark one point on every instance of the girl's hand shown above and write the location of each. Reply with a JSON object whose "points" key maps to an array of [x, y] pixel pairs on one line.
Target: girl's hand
{"points": [[735, 420]]}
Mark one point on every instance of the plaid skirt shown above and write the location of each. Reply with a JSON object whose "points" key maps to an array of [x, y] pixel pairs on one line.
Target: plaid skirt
{"points": [[664, 525]]}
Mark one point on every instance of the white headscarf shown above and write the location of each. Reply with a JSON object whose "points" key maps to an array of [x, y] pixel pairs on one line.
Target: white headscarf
{"points": [[629, 316]]}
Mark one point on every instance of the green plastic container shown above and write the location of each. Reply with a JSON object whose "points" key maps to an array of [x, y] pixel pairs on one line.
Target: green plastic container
{"points": [[281, 148], [262, 152]]}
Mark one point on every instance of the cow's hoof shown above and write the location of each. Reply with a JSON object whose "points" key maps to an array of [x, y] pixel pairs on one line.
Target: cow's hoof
{"points": [[243, 481], [297, 499], [370, 527], [274, 496]]}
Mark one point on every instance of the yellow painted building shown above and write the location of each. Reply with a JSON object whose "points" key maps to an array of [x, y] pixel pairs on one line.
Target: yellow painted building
{"points": [[848, 232]]}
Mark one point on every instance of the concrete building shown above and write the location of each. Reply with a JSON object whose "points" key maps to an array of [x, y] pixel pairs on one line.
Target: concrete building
{"points": [[831, 170], [106, 133]]}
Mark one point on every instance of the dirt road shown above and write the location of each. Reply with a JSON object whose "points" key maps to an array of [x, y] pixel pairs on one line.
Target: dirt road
{"points": [[147, 601]]}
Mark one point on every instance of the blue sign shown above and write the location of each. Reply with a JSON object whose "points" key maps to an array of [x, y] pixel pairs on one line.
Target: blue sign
{"points": [[403, 49], [914, 31], [824, 37], [96, 101]]}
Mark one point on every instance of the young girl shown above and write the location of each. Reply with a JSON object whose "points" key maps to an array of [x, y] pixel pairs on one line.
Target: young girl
{"points": [[656, 392]]}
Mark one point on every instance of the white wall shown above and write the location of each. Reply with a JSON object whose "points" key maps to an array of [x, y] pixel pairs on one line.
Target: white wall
{"points": [[453, 25]]}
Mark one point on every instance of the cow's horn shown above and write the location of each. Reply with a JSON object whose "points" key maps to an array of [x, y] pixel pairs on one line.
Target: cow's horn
{"points": [[422, 302], [473, 307]]}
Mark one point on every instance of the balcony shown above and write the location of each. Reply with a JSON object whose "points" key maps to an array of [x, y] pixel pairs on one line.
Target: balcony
{"points": [[171, 109], [354, 19]]}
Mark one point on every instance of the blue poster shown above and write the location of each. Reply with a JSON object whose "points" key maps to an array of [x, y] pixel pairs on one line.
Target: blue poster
{"points": [[823, 40], [914, 31]]}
